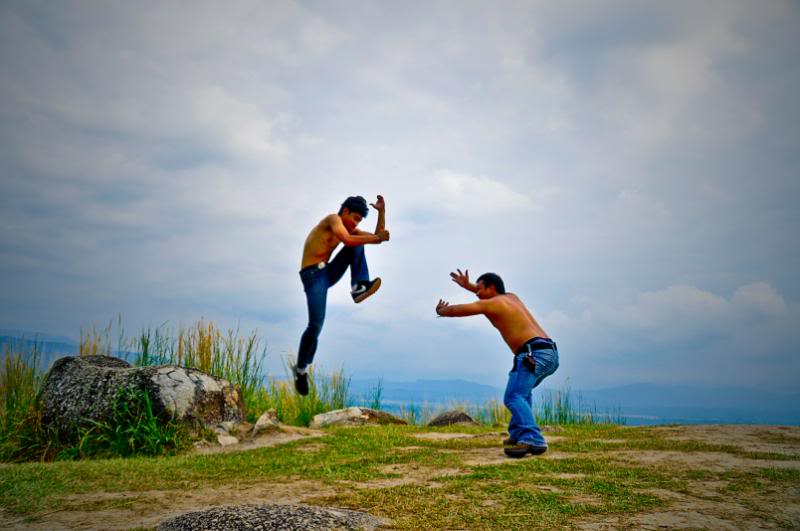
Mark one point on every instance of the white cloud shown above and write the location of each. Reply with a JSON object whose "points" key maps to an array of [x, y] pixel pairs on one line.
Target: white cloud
{"points": [[473, 196], [166, 162]]}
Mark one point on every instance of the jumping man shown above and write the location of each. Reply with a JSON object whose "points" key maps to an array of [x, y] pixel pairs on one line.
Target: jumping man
{"points": [[535, 354], [318, 273]]}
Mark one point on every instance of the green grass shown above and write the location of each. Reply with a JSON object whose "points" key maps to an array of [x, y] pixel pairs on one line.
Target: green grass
{"points": [[532, 493], [132, 429]]}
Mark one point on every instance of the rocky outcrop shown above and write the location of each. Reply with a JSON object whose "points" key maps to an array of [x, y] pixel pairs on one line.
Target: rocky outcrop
{"points": [[78, 390], [354, 416], [271, 516], [451, 417]]}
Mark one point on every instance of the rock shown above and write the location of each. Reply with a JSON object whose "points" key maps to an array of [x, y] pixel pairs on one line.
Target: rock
{"points": [[381, 417], [227, 440], [77, 390], [354, 416], [228, 426], [452, 417], [268, 420], [271, 517]]}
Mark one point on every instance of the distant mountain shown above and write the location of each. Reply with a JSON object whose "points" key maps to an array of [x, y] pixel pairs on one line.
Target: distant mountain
{"points": [[50, 348], [427, 391], [651, 403], [640, 403]]}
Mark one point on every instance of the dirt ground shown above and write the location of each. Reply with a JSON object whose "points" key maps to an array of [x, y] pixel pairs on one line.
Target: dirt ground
{"points": [[705, 505]]}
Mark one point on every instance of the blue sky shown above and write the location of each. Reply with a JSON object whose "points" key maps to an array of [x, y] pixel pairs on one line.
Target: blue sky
{"points": [[631, 169]]}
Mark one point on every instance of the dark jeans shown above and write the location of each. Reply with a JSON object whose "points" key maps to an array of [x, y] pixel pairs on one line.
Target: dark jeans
{"points": [[521, 382], [316, 282]]}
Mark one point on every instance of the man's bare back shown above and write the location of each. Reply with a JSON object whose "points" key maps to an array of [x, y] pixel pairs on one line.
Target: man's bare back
{"points": [[512, 319], [505, 311]]}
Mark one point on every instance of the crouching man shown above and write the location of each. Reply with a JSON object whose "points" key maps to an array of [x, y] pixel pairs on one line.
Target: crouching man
{"points": [[318, 273], [535, 354]]}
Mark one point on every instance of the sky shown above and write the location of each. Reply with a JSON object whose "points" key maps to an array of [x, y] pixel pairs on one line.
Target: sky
{"points": [[631, 170]]}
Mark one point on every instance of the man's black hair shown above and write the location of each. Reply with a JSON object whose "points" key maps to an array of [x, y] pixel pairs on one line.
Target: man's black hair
{"points": [[355, 204], [492, 279]]}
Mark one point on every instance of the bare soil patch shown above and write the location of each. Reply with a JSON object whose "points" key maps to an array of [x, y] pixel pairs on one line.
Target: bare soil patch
{"points": [[267, 439], [753, 438], [126, 510]]}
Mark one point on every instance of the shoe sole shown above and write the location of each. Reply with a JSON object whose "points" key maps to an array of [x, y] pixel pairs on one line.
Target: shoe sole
{"points": [[372, 289], [516, 453]]}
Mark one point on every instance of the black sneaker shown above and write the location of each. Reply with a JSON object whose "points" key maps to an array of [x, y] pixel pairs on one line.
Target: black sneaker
{"points": [[364, 289], [522, 449], [301, 383], [509, 442]]}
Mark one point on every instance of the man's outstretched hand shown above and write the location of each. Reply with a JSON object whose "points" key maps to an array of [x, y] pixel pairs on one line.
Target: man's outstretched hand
{"points": [[441, 306], [380, 204], [462, 279]]}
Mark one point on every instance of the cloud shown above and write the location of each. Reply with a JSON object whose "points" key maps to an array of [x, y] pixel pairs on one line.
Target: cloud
{"points": [[471, 196], [168, 163]]}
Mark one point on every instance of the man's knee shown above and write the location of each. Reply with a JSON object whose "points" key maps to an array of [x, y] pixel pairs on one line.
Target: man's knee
{"points": [[315, 326], [509, 399]]}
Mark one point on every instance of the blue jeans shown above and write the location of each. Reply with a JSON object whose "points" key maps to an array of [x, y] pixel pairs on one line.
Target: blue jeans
{"points": [[316, 282], [521, 381]]}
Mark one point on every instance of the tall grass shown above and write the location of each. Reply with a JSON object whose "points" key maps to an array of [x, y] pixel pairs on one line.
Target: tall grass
{"points": [[21, 435], [554, 407], [131, 429], [231, 356], [559, 407], [325, 393]]}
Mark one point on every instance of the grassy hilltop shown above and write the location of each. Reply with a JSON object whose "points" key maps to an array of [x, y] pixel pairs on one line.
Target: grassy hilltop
{"points": [[595, 475]]}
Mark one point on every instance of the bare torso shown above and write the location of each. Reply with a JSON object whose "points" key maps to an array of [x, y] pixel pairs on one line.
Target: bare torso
{"points": [[320, 243], [513, 320]]}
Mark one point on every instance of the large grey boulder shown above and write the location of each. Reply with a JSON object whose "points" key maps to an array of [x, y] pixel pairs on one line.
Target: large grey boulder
{"points": [[79, 389], [354, 416], [452, 417]]}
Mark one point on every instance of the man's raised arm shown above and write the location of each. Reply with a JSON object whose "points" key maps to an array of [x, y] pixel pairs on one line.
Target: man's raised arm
{"points": [[380, 206]]}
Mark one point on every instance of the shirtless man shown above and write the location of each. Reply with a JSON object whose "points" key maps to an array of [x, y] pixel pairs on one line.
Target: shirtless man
{"points": [[535, 354], [318, 273]]}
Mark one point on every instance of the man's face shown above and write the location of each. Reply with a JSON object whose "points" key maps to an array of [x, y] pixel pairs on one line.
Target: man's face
{"points": [[351, 220], [484, 292]]}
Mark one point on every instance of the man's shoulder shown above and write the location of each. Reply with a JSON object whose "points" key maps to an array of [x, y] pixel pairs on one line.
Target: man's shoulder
{"points": [[328, 221]]}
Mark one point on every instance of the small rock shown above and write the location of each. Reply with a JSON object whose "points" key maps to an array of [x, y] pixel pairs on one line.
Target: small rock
{"points": [[228, 426], [269, 419], [354, 416], [227, 440], [452, 417]]}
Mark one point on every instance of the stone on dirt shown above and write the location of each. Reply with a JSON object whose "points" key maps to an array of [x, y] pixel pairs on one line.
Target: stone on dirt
{"points": [[271, 517], [78, 390], [267, 421], [451, 417], [354, 416]]}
